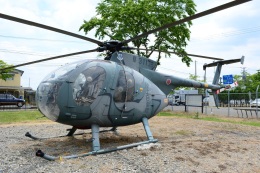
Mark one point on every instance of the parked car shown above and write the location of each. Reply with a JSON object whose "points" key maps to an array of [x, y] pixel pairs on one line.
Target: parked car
{"points": [[255, 103], [8, 99]]}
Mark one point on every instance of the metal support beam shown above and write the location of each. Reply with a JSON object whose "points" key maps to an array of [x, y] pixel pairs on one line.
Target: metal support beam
{"points": [[147, 129]]}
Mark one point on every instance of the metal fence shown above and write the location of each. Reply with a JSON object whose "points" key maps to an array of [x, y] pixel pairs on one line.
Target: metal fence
{"points": [[230, 105], [221, 111], [236, 99]]}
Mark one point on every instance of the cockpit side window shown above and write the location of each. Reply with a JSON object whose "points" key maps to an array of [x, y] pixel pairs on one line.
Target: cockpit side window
{"points": [[125, 87], [88, 85]]}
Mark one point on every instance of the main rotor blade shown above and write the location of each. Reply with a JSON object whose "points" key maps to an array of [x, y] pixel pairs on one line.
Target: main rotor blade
{"points": [[195, 16], [27, 22], [199, 56], [51, 58]]}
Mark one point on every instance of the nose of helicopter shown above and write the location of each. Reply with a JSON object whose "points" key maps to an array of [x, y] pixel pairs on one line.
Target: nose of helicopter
{"points": [[46, 100]]}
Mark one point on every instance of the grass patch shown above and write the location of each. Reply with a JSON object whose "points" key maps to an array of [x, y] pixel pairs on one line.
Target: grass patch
{"points": [[241, 121], [7, 117], [254, 122], [176, 114]]}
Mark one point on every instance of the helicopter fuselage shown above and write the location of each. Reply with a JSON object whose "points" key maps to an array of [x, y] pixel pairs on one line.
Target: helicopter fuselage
{"points": [[98, 92]]}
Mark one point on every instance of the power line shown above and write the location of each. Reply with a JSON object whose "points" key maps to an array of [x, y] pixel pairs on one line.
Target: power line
{"points": [[23, 52], [172, 70], [33, 53], [201, 77], [231, 33], [39, 39], [39, 54]]}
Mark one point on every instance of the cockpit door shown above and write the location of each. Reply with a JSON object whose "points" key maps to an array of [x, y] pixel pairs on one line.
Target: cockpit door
{"points": [[124, 93]]}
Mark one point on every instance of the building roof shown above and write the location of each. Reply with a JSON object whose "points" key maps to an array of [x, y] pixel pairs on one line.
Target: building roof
{"points": [[18, 71]]}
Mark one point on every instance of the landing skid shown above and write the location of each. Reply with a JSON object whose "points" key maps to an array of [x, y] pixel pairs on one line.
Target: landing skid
{"points": [[96, 144]]}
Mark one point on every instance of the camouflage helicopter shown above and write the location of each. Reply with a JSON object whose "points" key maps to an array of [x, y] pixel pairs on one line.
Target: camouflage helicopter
{"points": [[123, 89]]}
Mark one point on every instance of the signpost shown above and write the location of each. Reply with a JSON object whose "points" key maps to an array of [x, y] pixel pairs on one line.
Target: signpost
{"points": [[228, 79]]}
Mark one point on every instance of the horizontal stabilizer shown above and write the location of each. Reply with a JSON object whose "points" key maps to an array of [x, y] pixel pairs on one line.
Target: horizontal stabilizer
{"points": [[230, 61]]}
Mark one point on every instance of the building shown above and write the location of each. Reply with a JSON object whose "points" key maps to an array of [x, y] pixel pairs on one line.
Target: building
{"points": [[13, 86]]}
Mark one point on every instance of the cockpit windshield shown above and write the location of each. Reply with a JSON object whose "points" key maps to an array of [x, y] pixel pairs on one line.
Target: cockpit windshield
{"points": [[63, 72]]}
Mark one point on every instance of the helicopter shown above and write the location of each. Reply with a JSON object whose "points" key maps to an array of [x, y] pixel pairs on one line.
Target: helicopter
{"points": [[121, 90]]}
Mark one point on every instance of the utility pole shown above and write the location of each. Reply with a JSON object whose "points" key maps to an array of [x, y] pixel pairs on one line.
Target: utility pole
{"points": [[244, 73], [205, 90], [195, 70], [257, 101]]}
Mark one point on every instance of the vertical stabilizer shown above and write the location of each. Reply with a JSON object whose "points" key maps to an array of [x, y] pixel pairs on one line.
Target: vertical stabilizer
{"points": [[217, 74]]}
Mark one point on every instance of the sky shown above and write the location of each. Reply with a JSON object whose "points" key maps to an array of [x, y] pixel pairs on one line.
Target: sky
{"points": [[228, 34]]}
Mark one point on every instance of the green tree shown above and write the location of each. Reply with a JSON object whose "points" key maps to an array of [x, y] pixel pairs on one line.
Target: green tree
{"points": [[4, 74], [247, 84], [124, 19]]}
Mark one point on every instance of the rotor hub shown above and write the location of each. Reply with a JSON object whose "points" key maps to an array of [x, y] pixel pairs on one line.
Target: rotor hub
{"points": [[113, 46]]}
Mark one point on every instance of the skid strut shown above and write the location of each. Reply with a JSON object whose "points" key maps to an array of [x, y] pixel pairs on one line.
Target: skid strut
{"points": [[71, 133], [96, 144]]}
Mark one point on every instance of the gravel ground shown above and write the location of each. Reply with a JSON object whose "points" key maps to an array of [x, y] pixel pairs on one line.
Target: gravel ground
{"points": [[185, 145]]}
